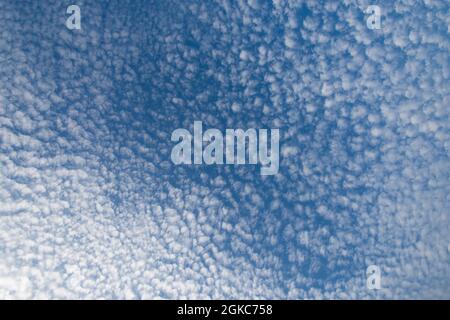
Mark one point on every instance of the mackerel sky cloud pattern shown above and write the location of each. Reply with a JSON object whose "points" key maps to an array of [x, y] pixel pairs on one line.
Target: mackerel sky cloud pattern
{"points": [[91, 205]]}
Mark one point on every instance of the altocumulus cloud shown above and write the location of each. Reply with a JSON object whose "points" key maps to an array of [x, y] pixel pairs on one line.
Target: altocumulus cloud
{"points": [[92, 207]]}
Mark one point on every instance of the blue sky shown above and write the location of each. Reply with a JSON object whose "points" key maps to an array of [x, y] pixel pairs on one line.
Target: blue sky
{"points": [[91, 205]]}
